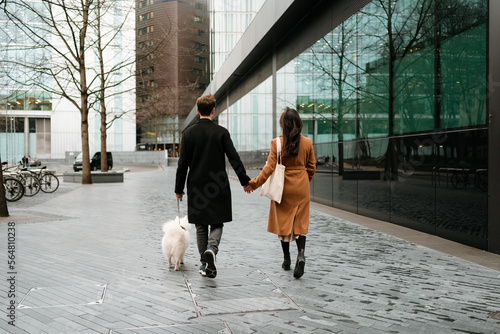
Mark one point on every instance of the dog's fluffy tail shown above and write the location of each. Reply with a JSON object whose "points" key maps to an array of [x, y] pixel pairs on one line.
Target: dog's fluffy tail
{"points": [[166, 225]]}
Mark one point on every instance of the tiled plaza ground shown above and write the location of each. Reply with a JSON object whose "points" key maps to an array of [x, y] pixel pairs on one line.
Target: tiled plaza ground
{"points": [[88, 260]]}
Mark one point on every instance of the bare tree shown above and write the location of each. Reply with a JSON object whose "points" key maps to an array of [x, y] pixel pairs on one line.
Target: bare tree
{"points": [[159, 113], [339, 71], [406, 29], [106, 76], [67, 32], [62, 29]]}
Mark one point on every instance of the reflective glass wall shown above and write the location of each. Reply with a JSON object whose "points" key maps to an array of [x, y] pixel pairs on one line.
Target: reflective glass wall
{"points": [[228, 21], [250, 123], [394, 99]]}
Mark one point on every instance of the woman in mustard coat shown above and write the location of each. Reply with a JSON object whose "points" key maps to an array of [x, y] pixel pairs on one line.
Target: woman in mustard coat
{"points": [[290, 219]]}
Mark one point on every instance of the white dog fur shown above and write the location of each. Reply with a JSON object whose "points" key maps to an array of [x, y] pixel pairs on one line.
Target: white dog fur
{"points": [[176, 240]]}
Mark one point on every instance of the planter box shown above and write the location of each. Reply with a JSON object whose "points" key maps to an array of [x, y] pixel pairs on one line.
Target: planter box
{"points": [[97, 177]]}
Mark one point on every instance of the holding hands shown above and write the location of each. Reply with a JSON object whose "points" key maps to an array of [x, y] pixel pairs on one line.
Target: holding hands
{"points": [[247, 189]]}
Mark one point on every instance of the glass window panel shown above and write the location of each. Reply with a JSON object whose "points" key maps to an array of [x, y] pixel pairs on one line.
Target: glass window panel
{"points": [[463, 69], [413, 196], [414, 92], [374, 191], [321, 185], [345, 191]]}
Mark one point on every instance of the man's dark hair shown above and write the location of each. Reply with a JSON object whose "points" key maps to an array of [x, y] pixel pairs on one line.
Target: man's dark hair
{"points": [[205, 104]]}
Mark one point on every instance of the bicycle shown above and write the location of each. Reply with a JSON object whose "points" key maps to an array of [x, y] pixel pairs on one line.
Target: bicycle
{"points": [[49, 182], [14, 189], [460, 179], [30, 182], [481, 179]]}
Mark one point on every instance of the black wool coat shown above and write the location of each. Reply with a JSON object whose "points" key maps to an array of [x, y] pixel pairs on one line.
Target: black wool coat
{"points": [[202, 160]]}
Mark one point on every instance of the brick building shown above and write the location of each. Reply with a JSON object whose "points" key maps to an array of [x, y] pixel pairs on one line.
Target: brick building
{"points": [[172, 67]]}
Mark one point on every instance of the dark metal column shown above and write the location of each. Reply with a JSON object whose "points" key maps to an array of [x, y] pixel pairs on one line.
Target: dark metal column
{"points": [[26, 136], [275, 98], [494, 128]]}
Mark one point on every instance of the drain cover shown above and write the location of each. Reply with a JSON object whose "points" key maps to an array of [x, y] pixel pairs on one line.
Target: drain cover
{"points": [[495, 315], [245, 291], [63, 296], [207, 327]]}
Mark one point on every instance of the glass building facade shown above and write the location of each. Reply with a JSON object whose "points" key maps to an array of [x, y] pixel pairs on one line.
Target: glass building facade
{"points": [[228, 21], [394, 99], [35, 119]]}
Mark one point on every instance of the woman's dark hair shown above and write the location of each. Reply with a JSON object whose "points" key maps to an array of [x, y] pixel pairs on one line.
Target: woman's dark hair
{"points": [[291, 124]]}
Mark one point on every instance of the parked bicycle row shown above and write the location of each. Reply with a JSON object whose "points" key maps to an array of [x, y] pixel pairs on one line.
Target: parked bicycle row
{"points": [[461, 177], [20, 181]]}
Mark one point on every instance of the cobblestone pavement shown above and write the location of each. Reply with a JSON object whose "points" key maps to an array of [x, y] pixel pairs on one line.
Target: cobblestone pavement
{"points": [[88, 260]]}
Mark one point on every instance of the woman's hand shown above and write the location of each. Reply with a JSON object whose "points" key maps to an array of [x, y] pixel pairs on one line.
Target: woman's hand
{"points": [[248, 189]]}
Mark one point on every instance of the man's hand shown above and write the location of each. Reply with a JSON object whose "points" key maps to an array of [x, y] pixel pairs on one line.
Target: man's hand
{"points": [[179, 196]]}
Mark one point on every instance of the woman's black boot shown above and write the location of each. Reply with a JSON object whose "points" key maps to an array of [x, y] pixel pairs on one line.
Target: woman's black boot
{"points": [[285, 246], [287, 261], [299, 266]]}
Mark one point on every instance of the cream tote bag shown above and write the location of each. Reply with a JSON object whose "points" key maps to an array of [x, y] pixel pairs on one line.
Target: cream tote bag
{"points": [[273, 187]]}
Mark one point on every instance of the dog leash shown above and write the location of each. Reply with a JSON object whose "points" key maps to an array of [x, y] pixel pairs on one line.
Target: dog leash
{"points": [[179, 212]]}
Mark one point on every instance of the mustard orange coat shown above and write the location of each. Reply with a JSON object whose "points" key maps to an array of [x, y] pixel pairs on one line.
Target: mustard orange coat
{"points": [[293, 211]]}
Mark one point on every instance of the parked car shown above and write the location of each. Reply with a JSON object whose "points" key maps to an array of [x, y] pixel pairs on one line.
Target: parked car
{"points": [[77, 163], [95, 162]]}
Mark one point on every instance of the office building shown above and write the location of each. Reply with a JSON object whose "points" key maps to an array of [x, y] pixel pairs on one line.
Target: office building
{"points": [[37, 123], [172, 68], [400, 99]]}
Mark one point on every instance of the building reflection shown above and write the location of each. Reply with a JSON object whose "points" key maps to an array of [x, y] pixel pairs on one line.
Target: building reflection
{"points": [[394, 99]]}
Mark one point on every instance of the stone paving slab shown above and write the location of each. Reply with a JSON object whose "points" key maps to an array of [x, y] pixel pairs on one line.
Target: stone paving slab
{"points": [[40, 297], [245, 290], [209, 327], [356, 280]]}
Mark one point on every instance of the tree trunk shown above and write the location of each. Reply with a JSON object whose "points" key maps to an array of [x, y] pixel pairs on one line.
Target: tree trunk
{"points": [[341, 107], [102, 95], [86, 176], [4, 211], [391, 166], [156, 133], [104, 156]]}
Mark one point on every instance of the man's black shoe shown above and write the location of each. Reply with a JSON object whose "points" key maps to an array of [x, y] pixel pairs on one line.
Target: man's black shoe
{"points": [[203, 269], [211, 269]]}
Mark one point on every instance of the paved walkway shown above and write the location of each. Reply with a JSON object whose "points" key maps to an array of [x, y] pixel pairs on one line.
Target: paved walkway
{"points": [[88, 260]]}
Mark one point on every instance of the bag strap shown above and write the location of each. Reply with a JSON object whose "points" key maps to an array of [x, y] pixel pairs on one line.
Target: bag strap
{"points": [[278, 150]]}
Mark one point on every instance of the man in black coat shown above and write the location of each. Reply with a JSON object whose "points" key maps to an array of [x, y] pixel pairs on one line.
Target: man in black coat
{"points": [[203, 151]]}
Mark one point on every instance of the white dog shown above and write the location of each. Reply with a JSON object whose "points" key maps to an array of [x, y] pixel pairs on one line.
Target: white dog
{"points": [[176, 240]]}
